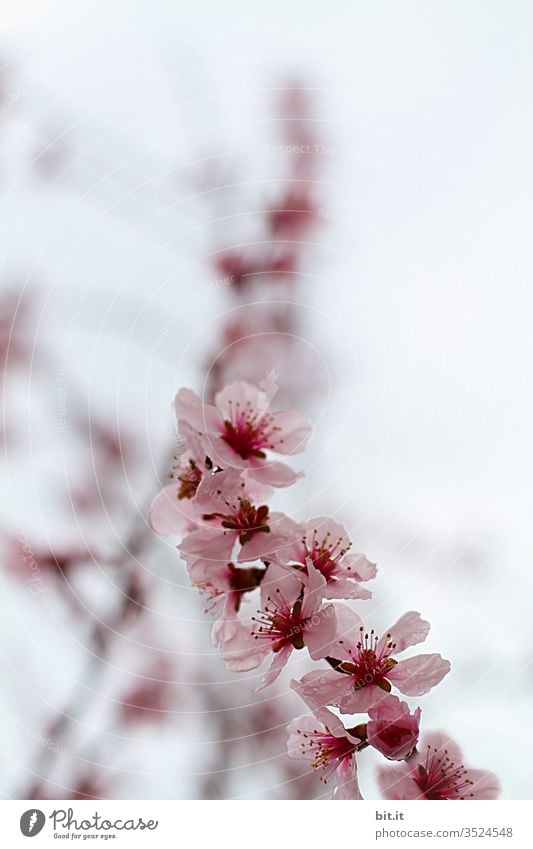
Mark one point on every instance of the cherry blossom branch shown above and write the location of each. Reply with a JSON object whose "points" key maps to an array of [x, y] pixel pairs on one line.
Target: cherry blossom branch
{"points": [[235, 548]]}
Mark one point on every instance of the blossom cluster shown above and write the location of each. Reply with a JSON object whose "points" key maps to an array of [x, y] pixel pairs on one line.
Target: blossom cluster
{"points": [[303, 573]]}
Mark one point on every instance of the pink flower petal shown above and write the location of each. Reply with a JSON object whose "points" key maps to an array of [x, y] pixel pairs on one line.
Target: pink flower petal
{"points": [[395, 783], [360, 700], [359, 567], [279, 582], [278, 664], [207, 543], [418, 675], [347, 783], [320, 632], [486, 785], [217, 491], [274, 474], [302, 724], [170, 515], [262, 546], [204, 418], [314, 586], [322, 687], [295, 431], [348, 634], [240, 652], [240, 393], [409, 630], [346, 588]]}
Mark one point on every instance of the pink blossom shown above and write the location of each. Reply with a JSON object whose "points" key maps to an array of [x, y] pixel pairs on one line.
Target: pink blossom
{"points": [[292, 214], [331, 749], [392, 729], [227, 515], [240, 268], [170, 513], [326, 543], [149, 699], [238, 431], [174, 510], [291, 616], [437, 772], [364, 669], [224, 584]]}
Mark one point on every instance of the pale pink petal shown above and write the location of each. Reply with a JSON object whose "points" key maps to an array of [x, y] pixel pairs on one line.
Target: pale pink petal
{"points": [[170, 515], [278, 664], [359, 567], [320, 687], [320, 632], [334, 725], [322, 526], [208, 543], [219, 492], [297, 727], [278, 582], [295, 431], [361, 699], [346, 588], [347, 783], [395, 783], [440, 740], [257, 492], [209, 571], [240, 394], [204, 418], [239, 650], [314, 586], [418, 675], [193, 442], [348, 634], [409, 630], [486, 785], [274, 474], [282, 524], [262, 546]]}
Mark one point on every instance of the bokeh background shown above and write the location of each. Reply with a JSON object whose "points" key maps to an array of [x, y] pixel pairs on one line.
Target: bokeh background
{"points": [[145, 173]]}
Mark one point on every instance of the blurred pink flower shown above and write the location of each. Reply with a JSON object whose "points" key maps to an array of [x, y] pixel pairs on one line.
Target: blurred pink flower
{"points": [[241, 267], [150, 697], [436, 772], [326, 543], [238, 430], [292, 214], [364, 668], [392, 729]]}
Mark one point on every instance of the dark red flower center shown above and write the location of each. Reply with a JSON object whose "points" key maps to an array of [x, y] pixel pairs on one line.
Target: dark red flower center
{"points": [[244, 518], [249, 432], [280, 623], [369, 664], [441, 778], [325, 552], [328, 750]]}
